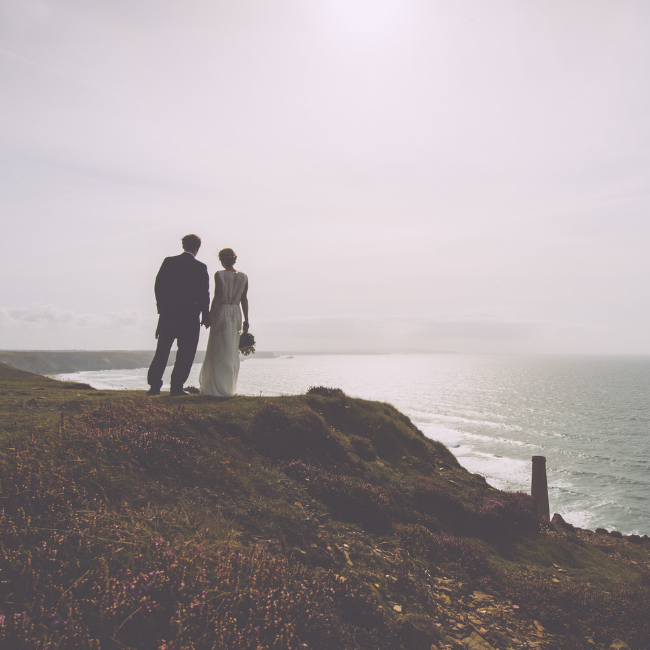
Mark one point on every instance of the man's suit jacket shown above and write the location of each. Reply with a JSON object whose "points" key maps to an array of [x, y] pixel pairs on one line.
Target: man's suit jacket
{"points": [[183, 288]]}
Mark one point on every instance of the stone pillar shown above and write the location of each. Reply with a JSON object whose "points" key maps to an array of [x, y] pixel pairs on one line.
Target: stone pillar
{"points": [[538, 487]]}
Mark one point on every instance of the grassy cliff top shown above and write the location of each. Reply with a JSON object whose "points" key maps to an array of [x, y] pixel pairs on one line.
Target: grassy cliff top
{"points": [[310, 521]]}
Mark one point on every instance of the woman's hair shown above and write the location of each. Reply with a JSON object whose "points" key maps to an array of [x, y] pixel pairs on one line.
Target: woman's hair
{"points": [[227, 256]]}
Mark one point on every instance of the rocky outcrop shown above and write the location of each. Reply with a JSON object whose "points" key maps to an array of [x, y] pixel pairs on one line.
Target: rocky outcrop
{"points": [[617, 644], [476, 642]]}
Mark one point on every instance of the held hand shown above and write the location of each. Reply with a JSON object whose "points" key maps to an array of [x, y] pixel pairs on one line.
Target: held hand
{"points": [[207, 321], [245, 328]]}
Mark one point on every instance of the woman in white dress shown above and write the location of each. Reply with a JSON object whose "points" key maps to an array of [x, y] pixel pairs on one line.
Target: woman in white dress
{"points": [[221, 365]]}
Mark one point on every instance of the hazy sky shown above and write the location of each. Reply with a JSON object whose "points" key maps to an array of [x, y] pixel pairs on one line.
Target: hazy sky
{"points": [[463, 175]]}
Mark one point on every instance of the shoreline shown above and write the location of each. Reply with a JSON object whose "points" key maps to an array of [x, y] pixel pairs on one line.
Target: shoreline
{"points": [[486, 457], [306, 486]]}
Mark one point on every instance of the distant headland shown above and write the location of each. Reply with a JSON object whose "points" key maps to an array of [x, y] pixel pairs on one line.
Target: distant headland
{"points": [[58, 362], [54, 362]]}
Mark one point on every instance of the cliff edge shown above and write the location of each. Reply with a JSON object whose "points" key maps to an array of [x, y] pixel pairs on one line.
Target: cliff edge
{"points": [[310, 521]]}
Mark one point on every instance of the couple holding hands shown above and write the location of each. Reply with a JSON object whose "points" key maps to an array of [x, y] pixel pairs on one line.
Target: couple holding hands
{"points": [[183, 299]]}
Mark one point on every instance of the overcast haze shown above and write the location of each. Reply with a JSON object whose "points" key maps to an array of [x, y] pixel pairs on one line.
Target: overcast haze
{"points": [[470, 176]]}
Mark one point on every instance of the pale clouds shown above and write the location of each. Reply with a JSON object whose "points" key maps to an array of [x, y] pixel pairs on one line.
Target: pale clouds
{"points": [[459, 174], [375, 329], [36, 315], [45, 326], [453, 333], [44, 315]]}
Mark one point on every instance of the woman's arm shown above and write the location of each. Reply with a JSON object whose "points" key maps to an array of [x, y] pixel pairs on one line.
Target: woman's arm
{"points": [[244, 305], [216, 301]]}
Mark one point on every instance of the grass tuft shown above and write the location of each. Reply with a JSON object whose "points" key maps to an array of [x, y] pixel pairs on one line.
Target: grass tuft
{"points": [[501, 512]]}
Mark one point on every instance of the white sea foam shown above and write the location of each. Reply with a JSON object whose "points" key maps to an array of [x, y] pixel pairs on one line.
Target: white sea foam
{"points": [[579, 518], [458, 419], [477, 437]]}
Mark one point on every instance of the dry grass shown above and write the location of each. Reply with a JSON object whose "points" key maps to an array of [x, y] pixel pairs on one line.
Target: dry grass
{"points": [[129, 522]]}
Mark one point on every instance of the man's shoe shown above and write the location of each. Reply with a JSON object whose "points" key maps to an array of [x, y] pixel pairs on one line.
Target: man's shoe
{"points": [[153, 391], [177, 393]]}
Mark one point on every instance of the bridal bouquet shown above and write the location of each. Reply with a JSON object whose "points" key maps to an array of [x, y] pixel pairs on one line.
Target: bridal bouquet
{"points": [[247, 344]]}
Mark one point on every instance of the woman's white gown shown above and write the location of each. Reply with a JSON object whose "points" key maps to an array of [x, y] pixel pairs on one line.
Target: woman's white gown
{"points": [[220, 368]]}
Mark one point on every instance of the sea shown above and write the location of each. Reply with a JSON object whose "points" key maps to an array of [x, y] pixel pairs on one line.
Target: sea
{"points": [[589, 416]]}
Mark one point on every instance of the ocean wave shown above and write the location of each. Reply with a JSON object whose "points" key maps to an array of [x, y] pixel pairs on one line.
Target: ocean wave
{"points": [[598, 479], [484, 423]]}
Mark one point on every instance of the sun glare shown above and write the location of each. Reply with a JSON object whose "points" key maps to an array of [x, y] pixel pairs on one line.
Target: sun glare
{"points": [[366, 22]]}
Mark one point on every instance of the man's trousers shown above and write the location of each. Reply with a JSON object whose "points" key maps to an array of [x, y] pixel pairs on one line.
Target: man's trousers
{"points": [[185, 331]]}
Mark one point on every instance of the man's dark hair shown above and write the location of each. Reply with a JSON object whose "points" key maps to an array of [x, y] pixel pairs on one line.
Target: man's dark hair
{"points": [[191, 243]]}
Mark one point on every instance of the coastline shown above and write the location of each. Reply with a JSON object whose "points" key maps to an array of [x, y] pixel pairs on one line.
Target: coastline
{"points": [[494, 414], [495, 441], [417, 552]]}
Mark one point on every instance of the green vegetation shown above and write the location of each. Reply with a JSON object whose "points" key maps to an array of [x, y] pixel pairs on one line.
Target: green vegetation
{"points": [[313, 521]]}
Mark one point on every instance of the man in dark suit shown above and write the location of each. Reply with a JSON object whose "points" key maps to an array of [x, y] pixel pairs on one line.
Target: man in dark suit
{"points": [[182, 295]]}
